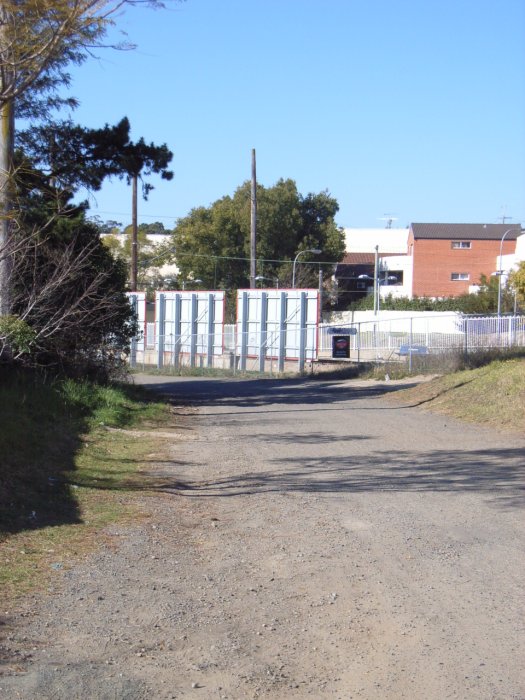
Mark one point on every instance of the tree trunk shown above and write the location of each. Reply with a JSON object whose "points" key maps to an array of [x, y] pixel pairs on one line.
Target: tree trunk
{"points": [[6, 174]]}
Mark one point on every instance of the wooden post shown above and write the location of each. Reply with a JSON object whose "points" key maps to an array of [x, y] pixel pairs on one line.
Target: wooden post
{"points": [[253, 223], [134, 236]]}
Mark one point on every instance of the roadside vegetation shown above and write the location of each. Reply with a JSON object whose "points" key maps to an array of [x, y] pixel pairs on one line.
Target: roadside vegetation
{"points": [[482, 302], [70, 462], [487, 388], [491, 395]]}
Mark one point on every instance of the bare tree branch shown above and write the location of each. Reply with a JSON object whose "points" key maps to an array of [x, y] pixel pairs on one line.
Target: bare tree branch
{"points": [[70, 297], [36, 35]]}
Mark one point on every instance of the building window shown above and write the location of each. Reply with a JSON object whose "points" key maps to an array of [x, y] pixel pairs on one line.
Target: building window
{"points": [[461, 244], [458, 276]]}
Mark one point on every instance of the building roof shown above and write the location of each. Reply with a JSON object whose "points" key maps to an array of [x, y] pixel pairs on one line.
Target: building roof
{"points": [[363, 258], [487, 232]]}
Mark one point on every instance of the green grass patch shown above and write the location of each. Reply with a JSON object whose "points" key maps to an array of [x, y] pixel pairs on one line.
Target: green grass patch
{"points": [[71, 463], [492, 395]]}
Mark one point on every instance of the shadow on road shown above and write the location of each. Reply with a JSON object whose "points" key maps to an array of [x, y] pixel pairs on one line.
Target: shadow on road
{"points": [[243, 395], [499, 472]]}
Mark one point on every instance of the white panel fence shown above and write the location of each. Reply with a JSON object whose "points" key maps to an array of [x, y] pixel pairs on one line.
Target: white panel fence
{"points": [[291, 346], [275, 328]]}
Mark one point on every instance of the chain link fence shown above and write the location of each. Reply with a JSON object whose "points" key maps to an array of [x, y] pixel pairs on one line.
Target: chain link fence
{"points": [[380, 341]]}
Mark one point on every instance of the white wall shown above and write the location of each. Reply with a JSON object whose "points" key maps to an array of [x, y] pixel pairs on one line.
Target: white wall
{"points": [[520, 248], [442, 321], [405, 263], [511, 262], [364, 240], [155, 240]]}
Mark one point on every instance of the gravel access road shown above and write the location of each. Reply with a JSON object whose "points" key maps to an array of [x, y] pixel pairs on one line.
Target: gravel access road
{"points": [[307, 539]]}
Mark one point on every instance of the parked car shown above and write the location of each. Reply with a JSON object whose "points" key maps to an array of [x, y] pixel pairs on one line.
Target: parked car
{"points": [[413, 350]]}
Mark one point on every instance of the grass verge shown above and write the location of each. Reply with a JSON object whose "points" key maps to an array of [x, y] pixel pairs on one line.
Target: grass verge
{"points": [[64, 475], [491, 395]]}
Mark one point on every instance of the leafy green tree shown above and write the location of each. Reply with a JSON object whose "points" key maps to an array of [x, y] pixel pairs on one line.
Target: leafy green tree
{"points": [[213, 243], [136, 161], [109, 227], [517, 283], [38, 40], [69, 156]]}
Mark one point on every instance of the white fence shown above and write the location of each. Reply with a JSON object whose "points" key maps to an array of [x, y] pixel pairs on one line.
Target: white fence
{"points": [[391, 339], [272, 325], [238, 352], [369, 341], [277, 323]]}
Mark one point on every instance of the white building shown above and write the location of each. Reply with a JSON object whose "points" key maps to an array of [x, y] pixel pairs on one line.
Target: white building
{"points": [[511, 262], [365, 240], [396, 267], [155, 240]]}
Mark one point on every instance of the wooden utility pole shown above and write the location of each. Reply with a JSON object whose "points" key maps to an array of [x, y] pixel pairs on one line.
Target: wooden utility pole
{"points": [[253, 224], [134, 236]]}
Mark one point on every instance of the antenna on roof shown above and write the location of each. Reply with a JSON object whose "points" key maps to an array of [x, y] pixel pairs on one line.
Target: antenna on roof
{"points": [[504, 218], [389, 220]]}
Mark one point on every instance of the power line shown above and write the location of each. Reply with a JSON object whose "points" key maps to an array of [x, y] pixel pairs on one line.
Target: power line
{"points": [[231, 257]]}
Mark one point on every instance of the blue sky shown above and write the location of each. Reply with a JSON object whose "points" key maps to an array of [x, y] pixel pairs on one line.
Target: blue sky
{"points": [[410, 108]]}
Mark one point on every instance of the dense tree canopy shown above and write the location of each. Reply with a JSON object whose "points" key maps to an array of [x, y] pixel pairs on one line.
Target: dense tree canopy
{"points": [[68, 289], [72, 156], [213, 243], [38, 40]]}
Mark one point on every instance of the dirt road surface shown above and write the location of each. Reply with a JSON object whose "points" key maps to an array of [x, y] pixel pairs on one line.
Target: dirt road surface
{"points": [[308, 539]]}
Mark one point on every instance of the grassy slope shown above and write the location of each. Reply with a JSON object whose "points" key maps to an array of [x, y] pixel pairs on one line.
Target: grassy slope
{"points": [[492, 395], [63, 474]]}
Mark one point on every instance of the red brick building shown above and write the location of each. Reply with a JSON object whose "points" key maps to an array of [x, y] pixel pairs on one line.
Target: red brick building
{"points": [[447, 259]]}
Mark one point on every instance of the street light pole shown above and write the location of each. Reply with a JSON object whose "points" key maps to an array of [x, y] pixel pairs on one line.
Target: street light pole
{"points": [[376, 281], [500, 270], [316, 251]]}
